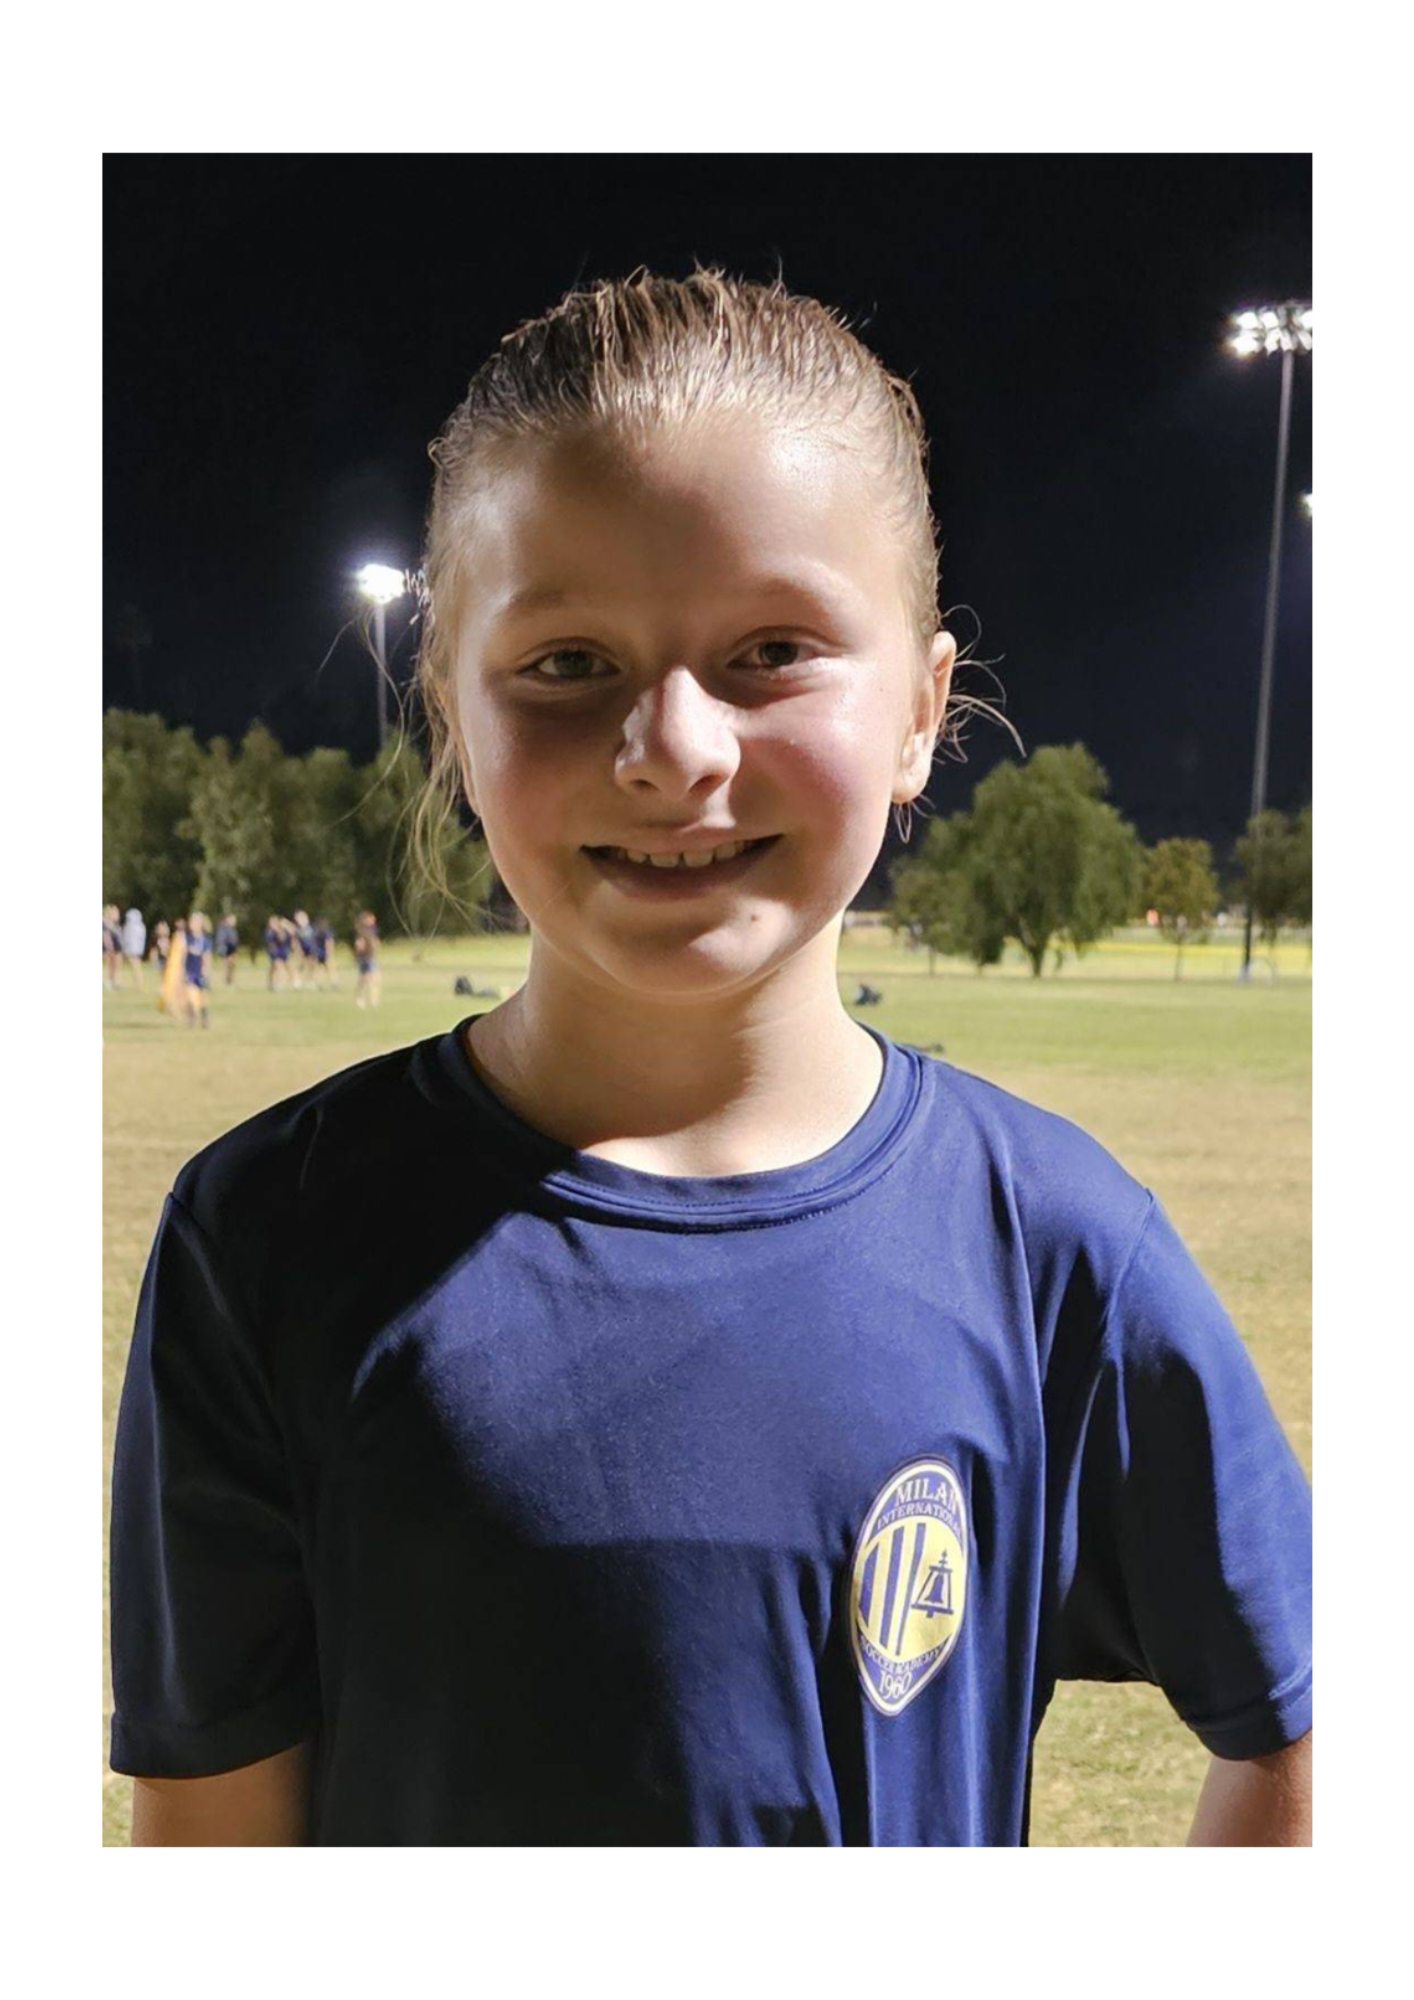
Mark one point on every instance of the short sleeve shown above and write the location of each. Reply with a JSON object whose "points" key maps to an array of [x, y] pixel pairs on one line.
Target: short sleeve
{"points": [[1185, 1538], [213, 1650]]}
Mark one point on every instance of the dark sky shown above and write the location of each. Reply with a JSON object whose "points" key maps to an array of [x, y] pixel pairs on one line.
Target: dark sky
{"points": [[284, 335]]}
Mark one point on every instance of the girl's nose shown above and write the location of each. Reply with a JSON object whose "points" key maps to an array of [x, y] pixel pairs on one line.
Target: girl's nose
{"points": [[677, 738]]}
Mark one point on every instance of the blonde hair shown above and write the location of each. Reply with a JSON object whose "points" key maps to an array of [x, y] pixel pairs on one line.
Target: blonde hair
{"points": [[626, 357]]}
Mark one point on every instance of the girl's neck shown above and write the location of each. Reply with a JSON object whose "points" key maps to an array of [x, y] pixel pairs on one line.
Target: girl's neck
{"points": [[752, 1081]]}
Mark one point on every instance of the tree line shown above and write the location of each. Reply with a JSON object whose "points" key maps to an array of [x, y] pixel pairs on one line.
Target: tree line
{"points": [[250, 829], [1042, 859]]}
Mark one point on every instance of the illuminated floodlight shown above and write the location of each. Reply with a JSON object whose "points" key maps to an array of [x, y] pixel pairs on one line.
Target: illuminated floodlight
{"points": [[381, 584], [1284, 329]]}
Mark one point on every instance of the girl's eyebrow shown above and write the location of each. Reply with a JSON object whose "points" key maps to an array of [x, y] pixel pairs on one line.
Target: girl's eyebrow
{"points": [[535, 597], [823, 587]]}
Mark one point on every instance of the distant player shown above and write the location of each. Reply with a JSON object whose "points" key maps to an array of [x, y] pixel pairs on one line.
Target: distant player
{"points": [[277, 953], [134, 943], [197, 959], [112, 945], [324, 952], [305, 941], [172, 994], [369, 981], [228, 945]]}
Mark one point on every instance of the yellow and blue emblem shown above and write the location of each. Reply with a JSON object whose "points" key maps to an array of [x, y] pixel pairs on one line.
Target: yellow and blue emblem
{"points": [[908, 1583]]}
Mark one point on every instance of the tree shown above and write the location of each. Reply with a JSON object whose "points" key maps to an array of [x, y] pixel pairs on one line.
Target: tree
{"points": [[393, 878], [934, 898], [1300, 896], [254, 831], [241, 814], [278, 833], [1268, 860], [322, 808], [231, 818], [150, 855], [1041, 857], [1180, 884]]}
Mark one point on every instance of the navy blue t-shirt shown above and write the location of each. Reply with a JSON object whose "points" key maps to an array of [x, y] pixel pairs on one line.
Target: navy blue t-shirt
{"points": [[563, 1503], [198, 951]]}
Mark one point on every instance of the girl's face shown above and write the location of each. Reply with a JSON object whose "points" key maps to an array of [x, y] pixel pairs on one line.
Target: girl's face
{"points": [[675, 647]]}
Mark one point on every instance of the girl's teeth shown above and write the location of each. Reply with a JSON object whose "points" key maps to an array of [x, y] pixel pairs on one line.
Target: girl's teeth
{"points": [[727, 853]]}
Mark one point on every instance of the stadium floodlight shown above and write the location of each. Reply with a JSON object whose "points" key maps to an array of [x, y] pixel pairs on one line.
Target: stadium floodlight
{"points": [[1306, 502], [1285, 330], [380, 583], [382, 586]]}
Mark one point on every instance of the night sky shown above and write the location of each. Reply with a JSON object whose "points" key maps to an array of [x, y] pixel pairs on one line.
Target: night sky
{"points": [[284, 335]]}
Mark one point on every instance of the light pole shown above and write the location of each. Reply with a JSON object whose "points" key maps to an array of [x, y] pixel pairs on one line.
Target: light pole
{"points": [[1284, 330], [382, 586]]}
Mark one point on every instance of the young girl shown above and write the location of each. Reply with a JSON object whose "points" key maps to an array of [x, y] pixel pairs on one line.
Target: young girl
{"points": [[197, 958], [228, 944], [172, 994], [694, 1417], [112, 945], [324, 952], [134, 939], [277, 951], [302, 931], [368, 985]]}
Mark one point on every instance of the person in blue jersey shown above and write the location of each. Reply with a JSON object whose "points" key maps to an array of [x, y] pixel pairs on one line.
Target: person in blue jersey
{"points": [[197, 958], [324, 951], [112, 945], [368, 983], [228, 945], [172, 994], [277, 954], [306, 947], [661, 1410]]}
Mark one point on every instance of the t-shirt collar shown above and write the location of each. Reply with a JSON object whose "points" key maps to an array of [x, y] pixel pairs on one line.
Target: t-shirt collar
{"points": [[583, 1183]]}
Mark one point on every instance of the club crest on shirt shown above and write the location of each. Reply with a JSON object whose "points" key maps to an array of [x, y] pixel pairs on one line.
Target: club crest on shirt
{"points": [[908, 1582]]}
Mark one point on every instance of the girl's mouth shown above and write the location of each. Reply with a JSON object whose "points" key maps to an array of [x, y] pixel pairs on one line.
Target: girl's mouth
{"points": [[678, 875]]}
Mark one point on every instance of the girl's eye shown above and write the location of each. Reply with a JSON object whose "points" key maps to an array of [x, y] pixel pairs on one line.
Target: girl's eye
{"points": [[581, 653], [565, 653], [779, 645]]}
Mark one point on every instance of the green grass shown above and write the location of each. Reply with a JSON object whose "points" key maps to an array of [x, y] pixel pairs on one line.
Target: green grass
{"points": [[1200, 1086]]}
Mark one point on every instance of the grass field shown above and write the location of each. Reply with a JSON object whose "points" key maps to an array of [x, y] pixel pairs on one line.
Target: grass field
{"points": [[1200, 1086]]}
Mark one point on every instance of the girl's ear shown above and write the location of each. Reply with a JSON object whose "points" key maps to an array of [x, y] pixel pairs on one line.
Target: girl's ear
{"points": [[929, 708]]}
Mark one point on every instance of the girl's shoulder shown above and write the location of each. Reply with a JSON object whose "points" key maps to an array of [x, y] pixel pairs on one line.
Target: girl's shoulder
{"points": [[1055, 1183], [298, 1159]]}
